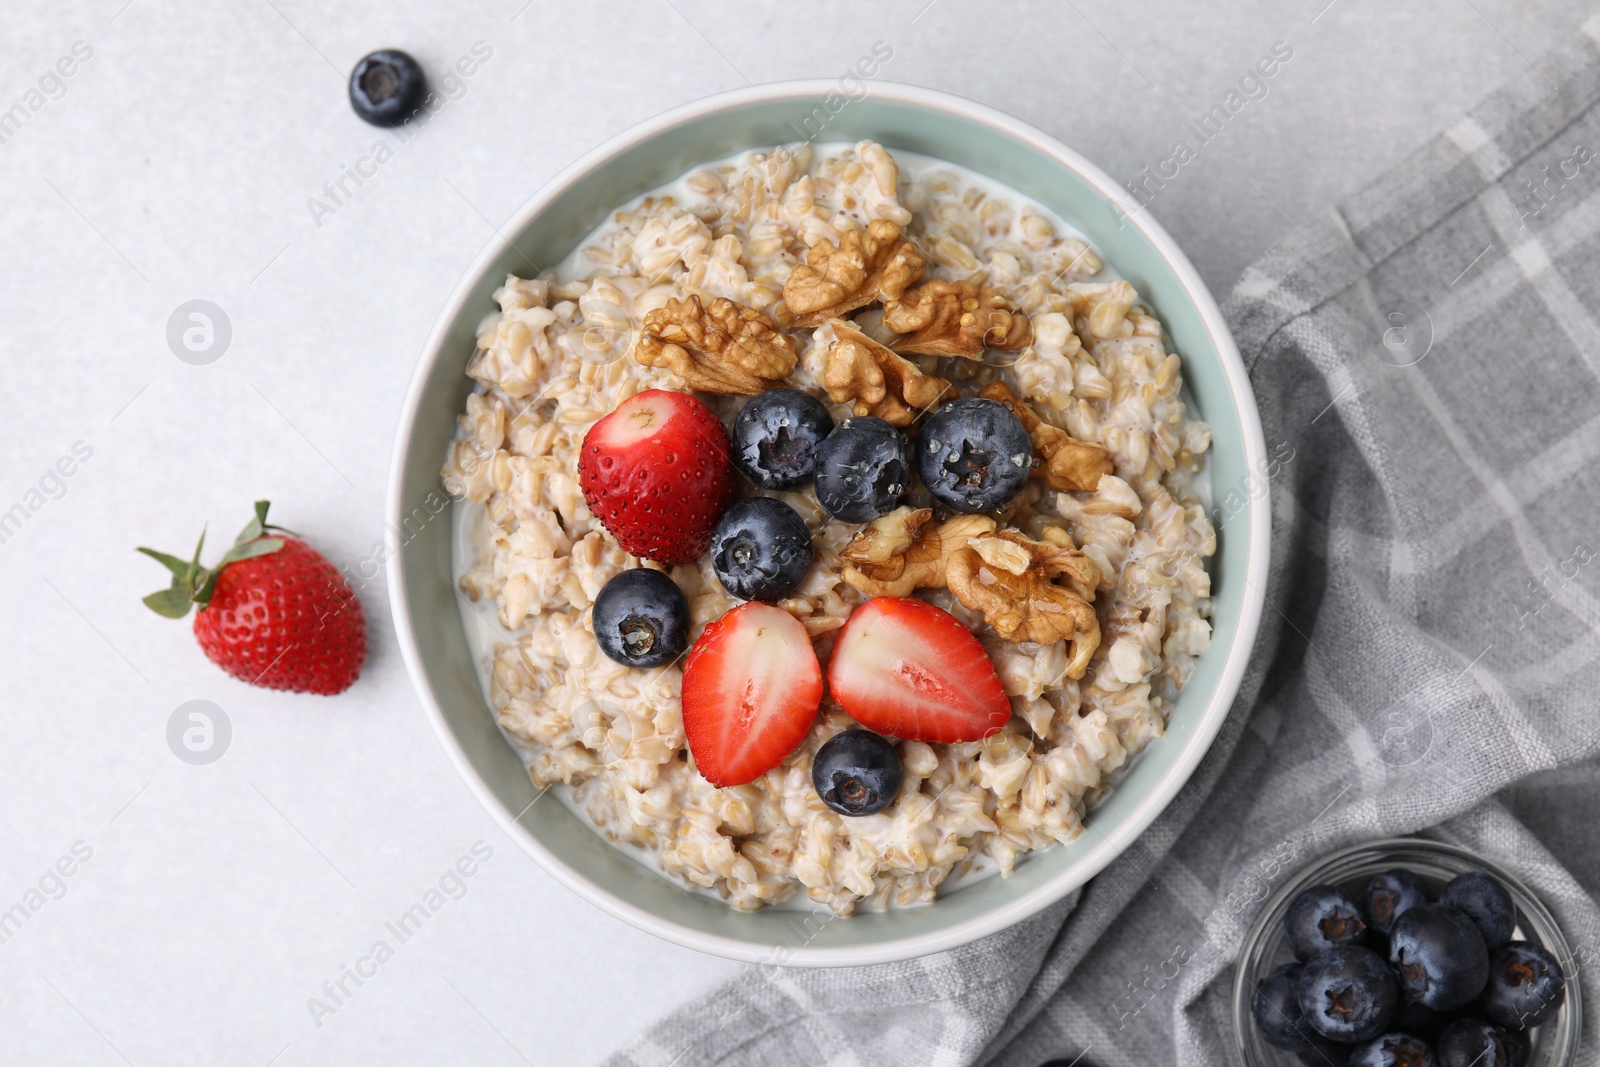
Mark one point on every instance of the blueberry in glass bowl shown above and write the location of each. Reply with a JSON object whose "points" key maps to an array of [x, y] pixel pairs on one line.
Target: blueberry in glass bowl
{"points": [[1439, 956], [1486, 902], [1391, 894], [1525, 988], [1348, 994], [1321, 918], [1531, 981]]}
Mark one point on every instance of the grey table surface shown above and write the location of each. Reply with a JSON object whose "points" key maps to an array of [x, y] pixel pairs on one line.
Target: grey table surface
{"points": [[219, 905]]}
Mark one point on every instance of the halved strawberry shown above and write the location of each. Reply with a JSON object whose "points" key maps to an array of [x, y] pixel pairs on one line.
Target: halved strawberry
{"points": [[907, 669], [751, 689]]}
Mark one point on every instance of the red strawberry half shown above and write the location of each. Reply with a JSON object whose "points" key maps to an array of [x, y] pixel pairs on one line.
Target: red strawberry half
{"points": [[907, 669], [657, 474], [273, 611], [751, 689]]}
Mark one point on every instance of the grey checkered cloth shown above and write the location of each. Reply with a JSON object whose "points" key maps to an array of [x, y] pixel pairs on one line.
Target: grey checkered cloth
{"points": [[1427, 363]]}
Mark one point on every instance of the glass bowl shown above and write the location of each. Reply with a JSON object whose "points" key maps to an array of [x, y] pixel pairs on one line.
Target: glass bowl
{"points": [[1265, 948]]}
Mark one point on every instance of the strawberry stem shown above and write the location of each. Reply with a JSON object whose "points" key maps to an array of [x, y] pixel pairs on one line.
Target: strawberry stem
{"points": [[194, 584]]}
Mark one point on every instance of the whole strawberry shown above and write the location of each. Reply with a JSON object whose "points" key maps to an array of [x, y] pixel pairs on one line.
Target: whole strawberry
{"points": [[657, 474], [273, 611]]}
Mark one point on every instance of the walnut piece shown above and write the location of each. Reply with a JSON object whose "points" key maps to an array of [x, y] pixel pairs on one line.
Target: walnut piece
{"points": [[877, 263], [1016, 583], [721, 348], [944, 318], [898, 553], [879, 381], [1067, 464]]}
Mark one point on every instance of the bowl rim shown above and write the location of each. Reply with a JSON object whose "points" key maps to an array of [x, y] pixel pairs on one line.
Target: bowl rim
{"points": [[1110, 844]]}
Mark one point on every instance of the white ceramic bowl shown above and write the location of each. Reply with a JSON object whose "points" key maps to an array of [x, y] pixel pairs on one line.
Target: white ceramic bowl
{"points": [[546, 228]]}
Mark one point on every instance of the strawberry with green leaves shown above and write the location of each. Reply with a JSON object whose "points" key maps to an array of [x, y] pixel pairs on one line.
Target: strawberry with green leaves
{"points": [[273, 611]]}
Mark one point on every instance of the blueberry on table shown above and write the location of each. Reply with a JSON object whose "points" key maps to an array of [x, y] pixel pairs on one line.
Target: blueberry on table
{"points": [[1389, 895], [1439, 957], [974, 455], [387, 87], [863, 469], [1475, 1043], [1486, 902], [1348, 994], [761, 549], [1275, 1006], [857, 772], [776, 436], [641, 619], [1525, 986], [1394, 1050], [1321, 918]]}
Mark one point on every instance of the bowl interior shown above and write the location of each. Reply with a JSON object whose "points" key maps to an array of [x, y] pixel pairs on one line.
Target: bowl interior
{"points": [[549, 227], [1266, 947]]}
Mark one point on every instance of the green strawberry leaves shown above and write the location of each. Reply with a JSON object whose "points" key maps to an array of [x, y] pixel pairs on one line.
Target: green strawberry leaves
{"points": [[194, 584], [179, 567], [258, 526], [250, 550], [170, 603]]}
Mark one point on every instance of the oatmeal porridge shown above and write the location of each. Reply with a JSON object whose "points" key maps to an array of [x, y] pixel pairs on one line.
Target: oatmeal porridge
{"points": [[889, 289]]}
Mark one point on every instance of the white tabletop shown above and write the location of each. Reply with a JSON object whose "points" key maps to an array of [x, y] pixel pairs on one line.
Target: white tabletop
{"points": [[176, 163]]}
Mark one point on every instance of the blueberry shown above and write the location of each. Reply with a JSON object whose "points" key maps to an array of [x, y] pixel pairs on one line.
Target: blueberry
{"points": [[863, 469], [776, 436], [1394, 1050], [1475, 1043], [1439, 956], [974, 455], [761, 549], [1347, 994], [1321, 918], [1388, 896], [1525, 986], [641, 619], [1276, 1007], [857, 772], [1486, 903], [387, 87]]}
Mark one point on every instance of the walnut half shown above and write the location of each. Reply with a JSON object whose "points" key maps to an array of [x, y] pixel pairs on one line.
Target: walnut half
{"points": [[878, 381], [955, 319], [898, 553], [1017, 583], [724, 348], [1068, 464], [877, 263]]}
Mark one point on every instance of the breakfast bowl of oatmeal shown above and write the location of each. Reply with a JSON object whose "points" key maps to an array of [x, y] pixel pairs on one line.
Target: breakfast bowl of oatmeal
{"points": [[861, 526]]}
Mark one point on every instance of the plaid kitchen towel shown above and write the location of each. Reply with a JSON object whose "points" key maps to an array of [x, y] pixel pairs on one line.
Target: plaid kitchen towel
{"points": [[1427, 363]]}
